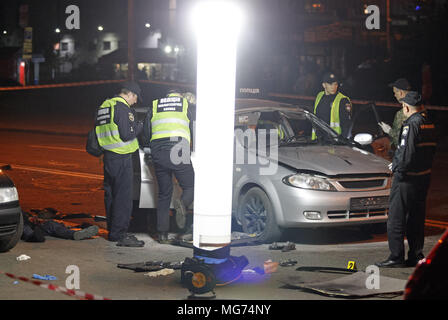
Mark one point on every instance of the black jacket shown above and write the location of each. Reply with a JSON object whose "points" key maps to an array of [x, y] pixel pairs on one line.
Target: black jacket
{"points": [[416, 146]]}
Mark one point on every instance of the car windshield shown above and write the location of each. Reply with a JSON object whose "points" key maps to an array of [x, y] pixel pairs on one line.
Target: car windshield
{"points": [[286, 128]]}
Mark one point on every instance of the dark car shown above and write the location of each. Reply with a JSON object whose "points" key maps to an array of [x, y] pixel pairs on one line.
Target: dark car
{"points": [[11, 219]]}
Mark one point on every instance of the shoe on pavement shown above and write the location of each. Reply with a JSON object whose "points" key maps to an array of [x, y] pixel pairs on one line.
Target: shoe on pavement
{"points": [[86, 233], [163, 238], [130, 241], [390, 264], [181, 214]]}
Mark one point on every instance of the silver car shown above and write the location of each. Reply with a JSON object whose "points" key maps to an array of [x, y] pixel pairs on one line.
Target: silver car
{"points": [[285, 178]]}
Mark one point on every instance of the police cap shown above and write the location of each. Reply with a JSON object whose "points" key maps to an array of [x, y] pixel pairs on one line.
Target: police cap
{"points": [[133, 87], [412, 98], [329, 77], [401, 84]]}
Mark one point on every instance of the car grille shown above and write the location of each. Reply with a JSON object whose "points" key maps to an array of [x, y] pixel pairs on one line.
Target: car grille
{"points": [[354, 214], [362, 184], [8, 229]]}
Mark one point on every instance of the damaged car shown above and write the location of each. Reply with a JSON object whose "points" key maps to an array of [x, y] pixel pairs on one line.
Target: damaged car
{"points": [[291, 170]]}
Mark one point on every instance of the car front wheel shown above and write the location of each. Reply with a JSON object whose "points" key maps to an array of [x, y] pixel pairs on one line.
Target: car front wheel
{"points": [[258, 217]]}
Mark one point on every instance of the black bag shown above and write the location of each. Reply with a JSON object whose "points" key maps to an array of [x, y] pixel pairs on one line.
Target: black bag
{"points": [[92, 145]]}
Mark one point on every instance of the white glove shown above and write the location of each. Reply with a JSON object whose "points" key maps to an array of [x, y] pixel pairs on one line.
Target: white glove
{"points": [[390, 166], [386, 128]]}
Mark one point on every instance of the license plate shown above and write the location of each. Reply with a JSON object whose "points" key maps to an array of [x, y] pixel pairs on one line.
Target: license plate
{"points": [[369, 203]]}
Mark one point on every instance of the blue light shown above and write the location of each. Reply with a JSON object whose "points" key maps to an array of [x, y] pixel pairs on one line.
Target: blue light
{"points": [[417, 8]]}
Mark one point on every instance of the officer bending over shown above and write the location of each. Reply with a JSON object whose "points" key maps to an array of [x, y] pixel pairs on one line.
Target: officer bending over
{"points": [[168, 127]]}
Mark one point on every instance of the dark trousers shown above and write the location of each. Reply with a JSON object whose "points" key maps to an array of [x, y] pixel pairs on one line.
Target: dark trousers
{"points": [[164, 170], [50, 228], [118, 183], [407, 211]]}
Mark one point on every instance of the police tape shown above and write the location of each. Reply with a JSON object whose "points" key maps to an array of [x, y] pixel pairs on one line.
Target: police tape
{"points": [[69, 292], [377, 103], [60, 85]]}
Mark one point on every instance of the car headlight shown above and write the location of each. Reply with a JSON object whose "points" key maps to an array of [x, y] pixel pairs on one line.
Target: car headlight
{"points": [[8, 195], [308, 181]]}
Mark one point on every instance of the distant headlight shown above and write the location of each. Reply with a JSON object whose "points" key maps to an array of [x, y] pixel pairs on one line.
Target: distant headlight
{"points": [[8, 195], [307, 181]]}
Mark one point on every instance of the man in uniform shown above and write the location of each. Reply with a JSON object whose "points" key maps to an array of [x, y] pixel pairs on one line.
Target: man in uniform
{"points": [[333, 107], [411, 169], [168, 127], [117, 129], [400, 87]]}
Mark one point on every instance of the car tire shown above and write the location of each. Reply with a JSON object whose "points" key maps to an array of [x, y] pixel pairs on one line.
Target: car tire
{"points": [[257, 216], [10, 243]]}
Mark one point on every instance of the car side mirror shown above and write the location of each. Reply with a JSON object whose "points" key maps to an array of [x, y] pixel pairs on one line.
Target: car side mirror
{"points": [[363, 138]]}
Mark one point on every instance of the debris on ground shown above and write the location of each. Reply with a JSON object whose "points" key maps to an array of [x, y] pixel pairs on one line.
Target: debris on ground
{"points": [[23, 257], [150, 266], [288, 263], [45, 277], [162, 272], [284, 246]]}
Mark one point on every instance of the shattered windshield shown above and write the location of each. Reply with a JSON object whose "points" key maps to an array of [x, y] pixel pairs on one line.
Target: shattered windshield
{"points": [[284, 129]]}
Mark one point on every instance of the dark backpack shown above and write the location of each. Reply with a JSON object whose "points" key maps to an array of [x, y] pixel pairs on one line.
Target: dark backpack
{"points": [[92, 145]]}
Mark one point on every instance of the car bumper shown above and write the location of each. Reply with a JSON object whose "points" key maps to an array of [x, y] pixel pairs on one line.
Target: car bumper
{"points": [[333, 207], [9, 220]]}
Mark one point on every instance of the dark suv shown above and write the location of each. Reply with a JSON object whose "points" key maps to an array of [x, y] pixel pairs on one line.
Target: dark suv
{"points": [[11, 219]]}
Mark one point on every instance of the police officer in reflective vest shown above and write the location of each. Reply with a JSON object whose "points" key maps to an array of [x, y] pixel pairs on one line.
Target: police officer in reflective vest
{"points": [[117, 129], [411, 169], [333, 107], [168, 127]]}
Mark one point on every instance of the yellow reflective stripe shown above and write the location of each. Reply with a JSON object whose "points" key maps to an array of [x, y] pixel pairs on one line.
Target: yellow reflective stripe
{"points": [[170, 120], [107, 134], [118, 145]]}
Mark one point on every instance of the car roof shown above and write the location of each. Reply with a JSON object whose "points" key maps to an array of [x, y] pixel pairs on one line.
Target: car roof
{"points": [[242, 105]]}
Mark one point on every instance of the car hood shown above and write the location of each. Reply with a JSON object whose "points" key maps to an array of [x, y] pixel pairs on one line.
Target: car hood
{"points": [[332, 160]]}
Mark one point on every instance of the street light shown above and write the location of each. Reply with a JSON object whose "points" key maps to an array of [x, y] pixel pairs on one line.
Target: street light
{"points": [[168, 49], [100, 28], [5, 32], [147, 25], [217, 25], [57, 30]]}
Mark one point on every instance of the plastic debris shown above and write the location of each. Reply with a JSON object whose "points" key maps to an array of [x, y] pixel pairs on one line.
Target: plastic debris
{"points": [[23, 257], [163, 272], [45, 277], [288, 263]]}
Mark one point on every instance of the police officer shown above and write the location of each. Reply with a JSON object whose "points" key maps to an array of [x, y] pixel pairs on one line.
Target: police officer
{"points": [[168, 127], [400, 88], [333, 107], [411, 169], [117, 129]]}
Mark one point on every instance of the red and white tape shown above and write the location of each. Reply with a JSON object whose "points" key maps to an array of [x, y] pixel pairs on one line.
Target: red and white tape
{"points": [[70, 292]]}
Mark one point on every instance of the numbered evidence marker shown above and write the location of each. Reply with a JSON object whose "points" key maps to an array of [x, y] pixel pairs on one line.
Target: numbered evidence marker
{"points": [[351, 265]]}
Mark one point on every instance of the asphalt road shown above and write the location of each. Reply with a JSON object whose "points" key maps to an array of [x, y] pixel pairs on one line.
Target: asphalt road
{"points": [[51, 169]]}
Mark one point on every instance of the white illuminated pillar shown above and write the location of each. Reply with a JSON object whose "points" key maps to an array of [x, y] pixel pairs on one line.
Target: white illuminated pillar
{"points": [[217, 25]]}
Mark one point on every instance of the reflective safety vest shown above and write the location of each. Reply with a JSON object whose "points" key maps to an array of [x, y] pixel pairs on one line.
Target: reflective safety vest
{"points": [[107, 130], [170, 118], [277, 126], [335, 123]]}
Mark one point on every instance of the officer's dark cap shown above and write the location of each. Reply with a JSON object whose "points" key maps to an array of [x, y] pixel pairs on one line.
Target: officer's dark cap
{"points": [[412, 98], [133, 87], [174, 90], [329, 77], [401, 84]]}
